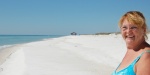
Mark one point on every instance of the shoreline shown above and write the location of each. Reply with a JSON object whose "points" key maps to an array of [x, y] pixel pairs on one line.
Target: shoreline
{"points": [[6, 52], [77, 55]]}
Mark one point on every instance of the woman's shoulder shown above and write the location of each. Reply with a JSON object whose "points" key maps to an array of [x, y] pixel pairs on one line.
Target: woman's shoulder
{"points": [[146, 55], [143, 66]]}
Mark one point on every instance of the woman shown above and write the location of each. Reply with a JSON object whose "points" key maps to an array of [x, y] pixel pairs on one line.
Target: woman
{"points": [[137, 58]]}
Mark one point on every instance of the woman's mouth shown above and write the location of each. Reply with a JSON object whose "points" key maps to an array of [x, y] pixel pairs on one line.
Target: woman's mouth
{"points": [[130, 38]]}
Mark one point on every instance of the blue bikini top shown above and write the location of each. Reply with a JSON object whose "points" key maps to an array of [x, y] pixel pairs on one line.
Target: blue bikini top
{"points": [[129, 70]]}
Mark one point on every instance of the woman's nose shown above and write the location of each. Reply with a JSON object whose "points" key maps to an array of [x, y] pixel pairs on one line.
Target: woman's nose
{"points": [[129, 30]]}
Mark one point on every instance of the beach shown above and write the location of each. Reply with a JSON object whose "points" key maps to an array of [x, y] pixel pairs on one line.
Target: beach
{"points": [[67, 55]]}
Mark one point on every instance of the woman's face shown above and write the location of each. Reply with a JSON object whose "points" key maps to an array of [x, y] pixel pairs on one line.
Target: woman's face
{"points": [[132, 34]]}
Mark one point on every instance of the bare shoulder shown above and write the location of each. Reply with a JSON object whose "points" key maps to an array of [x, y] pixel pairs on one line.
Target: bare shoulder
{"points": [[143, 66], [145, 58]]}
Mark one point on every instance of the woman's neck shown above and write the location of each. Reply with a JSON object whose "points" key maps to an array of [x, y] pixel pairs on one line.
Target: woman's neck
{"points": [[142, 46]]}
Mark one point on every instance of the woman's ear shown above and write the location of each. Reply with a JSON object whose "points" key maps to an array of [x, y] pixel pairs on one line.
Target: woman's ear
{"points": [[144, 30]]}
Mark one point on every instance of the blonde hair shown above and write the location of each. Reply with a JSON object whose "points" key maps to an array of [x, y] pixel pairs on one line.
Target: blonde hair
{"points": [[136, 18]]}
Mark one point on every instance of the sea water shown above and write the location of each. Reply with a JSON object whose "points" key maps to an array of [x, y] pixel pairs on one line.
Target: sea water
{"points": [[10, 40]]}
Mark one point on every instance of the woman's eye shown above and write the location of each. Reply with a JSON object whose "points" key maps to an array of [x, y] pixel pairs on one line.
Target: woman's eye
{"points": [[123, 28], [133, 27]]}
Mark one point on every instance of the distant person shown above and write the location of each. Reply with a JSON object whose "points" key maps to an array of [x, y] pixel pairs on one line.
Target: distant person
{"points": [[137, 58]]}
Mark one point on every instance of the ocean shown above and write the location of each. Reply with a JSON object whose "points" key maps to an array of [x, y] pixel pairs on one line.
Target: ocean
{"points": [[10, 40]]}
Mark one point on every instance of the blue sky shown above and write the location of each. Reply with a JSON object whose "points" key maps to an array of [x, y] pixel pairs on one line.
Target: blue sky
{"points": [[61, 17]]}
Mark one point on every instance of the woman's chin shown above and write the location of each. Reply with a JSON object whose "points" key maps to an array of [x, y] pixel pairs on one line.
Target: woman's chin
{"points": [[129, 41], [130, 47], [130, 44]]}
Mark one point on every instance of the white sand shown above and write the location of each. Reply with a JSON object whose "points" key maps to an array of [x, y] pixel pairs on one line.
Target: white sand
{"points": [[70, 55]]}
